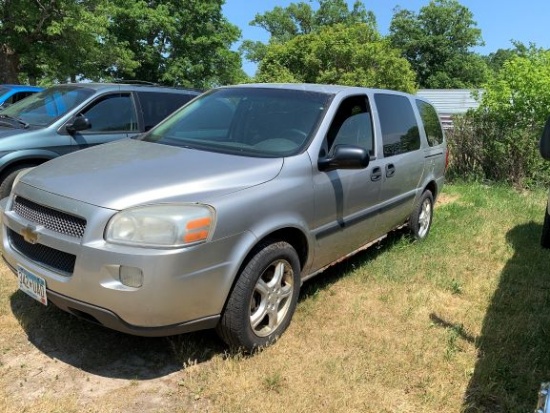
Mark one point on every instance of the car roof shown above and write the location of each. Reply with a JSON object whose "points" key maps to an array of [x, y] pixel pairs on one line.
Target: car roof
{"points": [[314, 87], [98, 86], [22, 87]]}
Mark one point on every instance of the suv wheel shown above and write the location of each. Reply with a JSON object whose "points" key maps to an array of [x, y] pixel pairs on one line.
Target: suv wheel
{"points": [[263, 300], [420, 221]]}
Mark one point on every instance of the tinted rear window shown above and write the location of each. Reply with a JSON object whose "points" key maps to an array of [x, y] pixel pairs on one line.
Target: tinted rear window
{"points": [[398, 123], [432, 127]]}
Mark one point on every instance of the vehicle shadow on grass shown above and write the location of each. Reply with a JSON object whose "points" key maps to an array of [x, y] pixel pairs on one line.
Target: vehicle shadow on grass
{"points": [[513, 347], [105, 352]]}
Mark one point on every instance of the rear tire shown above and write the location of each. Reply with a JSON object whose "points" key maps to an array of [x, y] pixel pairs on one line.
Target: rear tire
{"points": [[545, 237], [263, 300], [420, 220]]}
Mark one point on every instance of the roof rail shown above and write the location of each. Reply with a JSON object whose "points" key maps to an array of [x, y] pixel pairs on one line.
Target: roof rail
{"points": [[135, 82]]}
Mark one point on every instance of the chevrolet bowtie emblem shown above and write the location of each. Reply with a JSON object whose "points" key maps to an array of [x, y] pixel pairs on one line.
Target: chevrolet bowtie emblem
{"points": [[29, 234]]}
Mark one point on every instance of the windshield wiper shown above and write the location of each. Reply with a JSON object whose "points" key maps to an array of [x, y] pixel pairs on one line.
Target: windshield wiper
{"points": [[20, 122]]}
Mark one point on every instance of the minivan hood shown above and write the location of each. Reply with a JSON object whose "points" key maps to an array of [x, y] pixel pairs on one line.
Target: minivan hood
{"points": [[126, 173]]}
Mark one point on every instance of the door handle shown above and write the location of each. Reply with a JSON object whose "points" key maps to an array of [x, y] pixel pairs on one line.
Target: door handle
{"points": [[376, 174], [390, 170]]}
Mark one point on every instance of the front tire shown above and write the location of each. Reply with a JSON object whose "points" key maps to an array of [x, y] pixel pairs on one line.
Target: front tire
{"points": [[420, 220], [263, 300]]}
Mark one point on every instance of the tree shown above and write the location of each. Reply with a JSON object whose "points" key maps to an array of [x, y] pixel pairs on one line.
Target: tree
{"points": [[499, 141], [176, 42], [437, 43], [354, 55], [57, 39], [519, 94], [495, 61], [284, 24], [181, 42]]}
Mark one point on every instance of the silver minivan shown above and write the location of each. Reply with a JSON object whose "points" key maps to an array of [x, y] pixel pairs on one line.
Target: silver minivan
{"points": [[214, 218]]}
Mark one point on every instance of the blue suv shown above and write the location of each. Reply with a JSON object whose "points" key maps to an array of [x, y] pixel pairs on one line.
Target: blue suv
{"points": [[10, 94], [69, 117]]}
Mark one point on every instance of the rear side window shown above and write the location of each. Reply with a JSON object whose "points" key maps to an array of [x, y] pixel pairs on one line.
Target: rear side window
{"points": [[432, 127], [399, 128], [156, 106]]}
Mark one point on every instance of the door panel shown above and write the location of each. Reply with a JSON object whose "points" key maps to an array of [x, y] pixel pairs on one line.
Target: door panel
{"points": [[346, 201], [403, 160]]}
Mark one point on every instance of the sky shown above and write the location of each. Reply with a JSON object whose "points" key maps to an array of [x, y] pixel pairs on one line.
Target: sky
{"points": [[500, 21]]}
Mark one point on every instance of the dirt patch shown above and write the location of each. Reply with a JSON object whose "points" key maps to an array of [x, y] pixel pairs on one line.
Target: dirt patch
{"points": [[51, 361], [444, 199]]}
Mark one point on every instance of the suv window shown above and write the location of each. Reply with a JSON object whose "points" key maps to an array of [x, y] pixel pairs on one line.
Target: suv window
{"points": [[41, 109], [432, 127], [112, 113], [16, 97], [260, 122], [352, 125], [157, 106], [398, 123]]}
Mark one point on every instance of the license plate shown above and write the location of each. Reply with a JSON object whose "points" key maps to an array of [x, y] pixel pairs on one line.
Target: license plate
{"points": [[32, 284]]}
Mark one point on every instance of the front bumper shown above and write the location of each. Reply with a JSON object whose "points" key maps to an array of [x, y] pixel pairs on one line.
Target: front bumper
{"points": [[110, 319], [183, 289]]}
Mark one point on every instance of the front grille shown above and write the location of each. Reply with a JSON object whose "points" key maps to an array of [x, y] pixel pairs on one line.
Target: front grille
{"points": [[49, 218], [48, 257]]}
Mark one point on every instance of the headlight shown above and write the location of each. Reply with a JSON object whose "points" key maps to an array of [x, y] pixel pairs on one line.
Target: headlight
{"points": [[162, 225]]}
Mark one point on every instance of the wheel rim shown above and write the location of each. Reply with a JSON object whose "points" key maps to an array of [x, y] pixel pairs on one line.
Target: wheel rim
{"points": [[271, 298], [424, 218]]}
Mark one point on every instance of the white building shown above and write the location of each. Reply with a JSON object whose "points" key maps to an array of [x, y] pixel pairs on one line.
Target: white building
{"points": [[449, 102]]}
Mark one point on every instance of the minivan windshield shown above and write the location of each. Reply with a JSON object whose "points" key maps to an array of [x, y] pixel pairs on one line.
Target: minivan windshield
{"points": [[43, 108], [250, 121]]}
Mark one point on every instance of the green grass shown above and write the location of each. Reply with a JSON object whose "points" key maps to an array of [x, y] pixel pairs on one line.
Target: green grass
{"points": [[457, 323]]}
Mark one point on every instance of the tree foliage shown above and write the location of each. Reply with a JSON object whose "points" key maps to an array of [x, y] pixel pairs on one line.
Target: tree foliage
{"points": [[330, 44], [55, 38], [495, 61], [183, 42], [499, 141], [179, 42], [437, 42], [354, 55], [519, 94], [285, 23]]}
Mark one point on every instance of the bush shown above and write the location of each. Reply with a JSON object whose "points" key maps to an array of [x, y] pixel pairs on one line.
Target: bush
{"points": [[499, 140], [482, 147]]}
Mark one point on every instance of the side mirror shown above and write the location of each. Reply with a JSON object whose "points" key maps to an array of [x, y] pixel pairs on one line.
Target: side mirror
{"points": [[544, 145], [345, 157], [80, 122]]}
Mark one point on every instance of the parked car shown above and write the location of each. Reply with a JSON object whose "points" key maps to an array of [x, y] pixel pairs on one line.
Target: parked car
{"points": [[214, 218], [68, 117], [9, 94], [544, 146]]}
